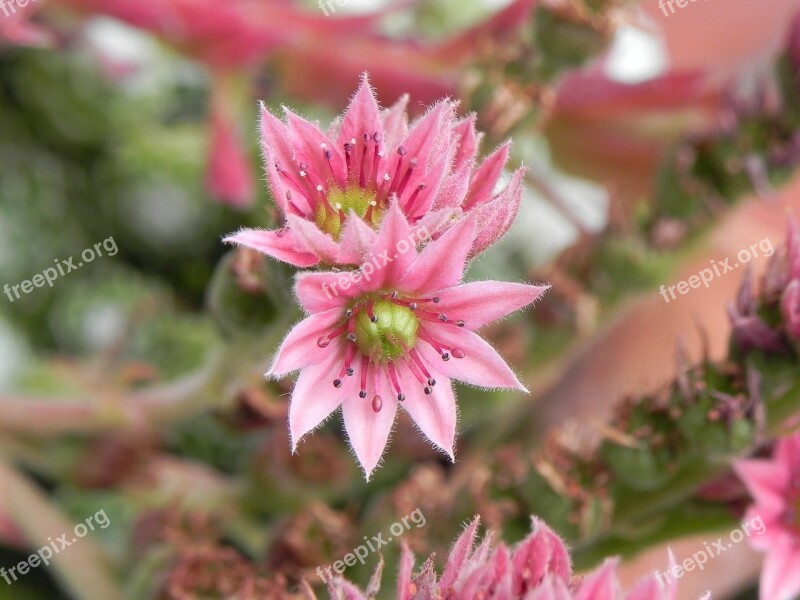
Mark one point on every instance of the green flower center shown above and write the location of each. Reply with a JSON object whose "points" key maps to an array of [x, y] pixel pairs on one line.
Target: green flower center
{"points": [[328, 216], [387, 332]]}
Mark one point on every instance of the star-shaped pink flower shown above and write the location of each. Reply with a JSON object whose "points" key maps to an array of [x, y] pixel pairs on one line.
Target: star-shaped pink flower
{"points": [[775, 487], [371, 158], [394, 333]]}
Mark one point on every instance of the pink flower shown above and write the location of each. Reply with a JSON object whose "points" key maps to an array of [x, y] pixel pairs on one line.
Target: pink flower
{"points": [[229, 177], [538, 568], [321, 182], [790, 306], [394, 333], [16, 27], [775, 487]]}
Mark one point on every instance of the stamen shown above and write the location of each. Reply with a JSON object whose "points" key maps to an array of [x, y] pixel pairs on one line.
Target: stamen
{"points": [[324, 340], [368, 214], [348, 149], [413, 199], [364, 370], [416, 358], [349, 354], [439, 318], [401, 151], [458, 353], [301, 188], [412, 164], [382, 193], [436, 345], [328, 154], [305, 186], [362, 176], [377, 404], [414, 370], [377, 137], [295, 207], [393, 376]]}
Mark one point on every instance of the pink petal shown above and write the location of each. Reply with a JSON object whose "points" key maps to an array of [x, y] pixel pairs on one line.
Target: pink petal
{"points": [[395, 122], [787, 451], [454, 189], [321, 291], [424, 198], [460, 552], [275, 144], [441, 264], [299, 349], [432, 223], [551, 588], [482, 302], [434, 414], [404, 574], [356, 239], [495, 217], [601, 584], [229, 173], [481, 365], [773, 527], [540, 554], [501, 580], [309, 143], [363, 115], [341, 589], [767, 481], [386, 255], [780, 577], [428, 139], [467, 139], [280, 245], [312, 239], [314, 397], [367, 430], [487, 176], [790, 306]]}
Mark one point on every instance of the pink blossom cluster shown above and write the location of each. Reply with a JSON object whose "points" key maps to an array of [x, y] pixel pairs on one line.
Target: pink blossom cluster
{"points": [[397, 338], [538, 568]]}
